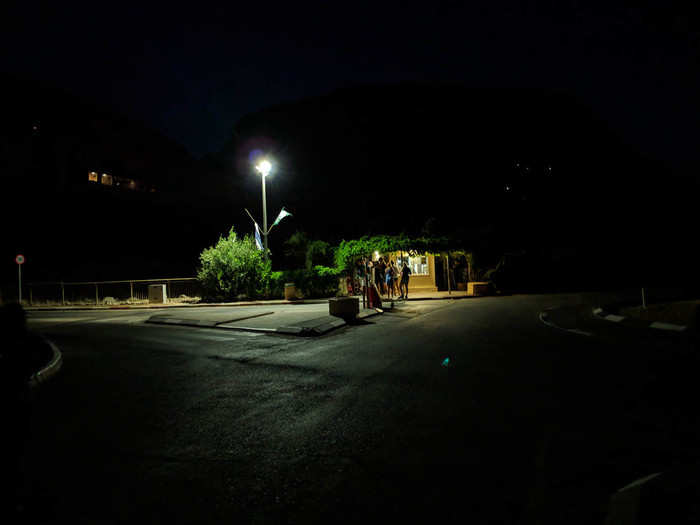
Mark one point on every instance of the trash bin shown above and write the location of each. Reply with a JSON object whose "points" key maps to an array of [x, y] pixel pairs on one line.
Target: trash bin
{"points": [[290, 291], [157, 293]]}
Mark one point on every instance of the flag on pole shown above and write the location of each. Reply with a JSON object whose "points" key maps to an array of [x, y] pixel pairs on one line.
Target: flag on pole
{"points": [[258, 241], [282, 215]]}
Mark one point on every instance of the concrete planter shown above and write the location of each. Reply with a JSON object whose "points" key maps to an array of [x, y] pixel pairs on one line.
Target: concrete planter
{"points": [[290, 291], [478, 288], [344, 307]]}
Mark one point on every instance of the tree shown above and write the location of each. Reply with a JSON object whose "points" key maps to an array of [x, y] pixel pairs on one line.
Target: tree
{"points": [[233, 268], [319, 253], [295, 249]]}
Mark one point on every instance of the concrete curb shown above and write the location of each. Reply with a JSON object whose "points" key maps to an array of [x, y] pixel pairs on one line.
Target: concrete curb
{"points": [[544, 317], [369, 313], [50, 369], [605, 314], [446, 298], [162, 319]]}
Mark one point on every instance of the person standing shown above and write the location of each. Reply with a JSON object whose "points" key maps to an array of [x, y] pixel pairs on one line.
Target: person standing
{"points": [[403, 285], [359, 281], [389, 273], [396, 271], [380, 269]]}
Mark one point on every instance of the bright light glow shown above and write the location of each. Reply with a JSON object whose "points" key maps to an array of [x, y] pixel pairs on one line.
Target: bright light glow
{"points": [[376, 255], [264, 167]]}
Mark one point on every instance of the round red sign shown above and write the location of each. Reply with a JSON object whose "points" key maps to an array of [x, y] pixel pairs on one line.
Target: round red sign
{"points": [[19, 259]]}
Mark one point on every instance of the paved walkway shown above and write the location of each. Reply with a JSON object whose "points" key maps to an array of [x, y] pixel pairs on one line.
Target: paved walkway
{"points": [[418, 296], [294, 319], [424, 296]]}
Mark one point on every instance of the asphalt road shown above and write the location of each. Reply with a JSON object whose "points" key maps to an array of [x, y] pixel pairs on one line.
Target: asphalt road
{"points": [[528, 424]]}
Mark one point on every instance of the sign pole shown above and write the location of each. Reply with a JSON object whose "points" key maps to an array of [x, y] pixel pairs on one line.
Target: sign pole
{"points": [[20, 261]]}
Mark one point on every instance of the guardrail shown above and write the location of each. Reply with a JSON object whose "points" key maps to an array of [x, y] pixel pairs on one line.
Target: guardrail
{"points": [[135, 291]]}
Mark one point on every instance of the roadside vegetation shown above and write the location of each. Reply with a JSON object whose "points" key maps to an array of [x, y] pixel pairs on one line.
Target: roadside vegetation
{"points": [[235, 269]]}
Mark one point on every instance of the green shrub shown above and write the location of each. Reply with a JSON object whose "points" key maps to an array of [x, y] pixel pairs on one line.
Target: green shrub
{"points": [[319, 253], [320, 281], [232, 269], [296, 248]]}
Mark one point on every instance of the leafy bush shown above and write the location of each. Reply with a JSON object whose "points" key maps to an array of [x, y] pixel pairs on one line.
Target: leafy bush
{"points": [[234, 267], [302, 252], [319, 253], [320, 281], [349, 251], [296, 248]]}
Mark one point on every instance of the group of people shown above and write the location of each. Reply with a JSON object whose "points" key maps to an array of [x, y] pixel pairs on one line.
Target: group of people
{"points": [[388, 277]]}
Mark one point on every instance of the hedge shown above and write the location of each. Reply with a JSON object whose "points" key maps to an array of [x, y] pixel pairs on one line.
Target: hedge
{"points": [[320, 281]]}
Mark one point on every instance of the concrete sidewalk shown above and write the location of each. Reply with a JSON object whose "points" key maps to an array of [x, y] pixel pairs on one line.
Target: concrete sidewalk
{"points": [[418, 296], [305, 320]]}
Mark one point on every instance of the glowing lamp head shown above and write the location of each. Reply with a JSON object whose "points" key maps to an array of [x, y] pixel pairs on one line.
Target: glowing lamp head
{"points": [[264, 167]]}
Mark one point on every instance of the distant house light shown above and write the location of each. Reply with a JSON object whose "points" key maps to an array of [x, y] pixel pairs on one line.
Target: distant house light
{"points": [[106, 179], [92, 176]]}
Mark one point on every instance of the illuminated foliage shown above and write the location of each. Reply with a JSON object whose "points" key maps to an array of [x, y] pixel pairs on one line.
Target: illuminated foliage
{"points": [[349, 251], [319, 281], [234, 267]]}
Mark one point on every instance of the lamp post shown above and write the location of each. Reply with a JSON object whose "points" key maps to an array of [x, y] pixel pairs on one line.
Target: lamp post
{"points": [[264, 168]]}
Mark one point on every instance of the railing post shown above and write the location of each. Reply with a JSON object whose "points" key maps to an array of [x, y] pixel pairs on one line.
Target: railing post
{"points": [[131, 287], [168, 288], [63, 294], [97, 295], [31, 299]]}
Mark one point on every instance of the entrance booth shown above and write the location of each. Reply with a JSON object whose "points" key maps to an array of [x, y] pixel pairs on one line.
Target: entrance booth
{"points": [[423, 275]]}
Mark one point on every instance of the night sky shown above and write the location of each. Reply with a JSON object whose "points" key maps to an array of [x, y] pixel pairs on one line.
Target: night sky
{"points": [[192, 72]]}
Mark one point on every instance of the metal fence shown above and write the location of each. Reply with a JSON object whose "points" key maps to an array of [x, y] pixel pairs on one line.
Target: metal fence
{"points": [[185, 289]]}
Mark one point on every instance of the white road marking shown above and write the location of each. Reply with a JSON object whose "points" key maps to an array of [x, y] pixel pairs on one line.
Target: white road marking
{"points": [[118, 320], [580, 332], [614, 318], [56, 319], [596, 311], [667, 326]]}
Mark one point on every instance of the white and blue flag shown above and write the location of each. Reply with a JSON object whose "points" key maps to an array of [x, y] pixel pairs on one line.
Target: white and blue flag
{"points": [[258, 241]]}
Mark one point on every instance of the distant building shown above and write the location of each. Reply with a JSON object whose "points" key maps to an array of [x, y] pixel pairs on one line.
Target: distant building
{"points": [[119, 183]]}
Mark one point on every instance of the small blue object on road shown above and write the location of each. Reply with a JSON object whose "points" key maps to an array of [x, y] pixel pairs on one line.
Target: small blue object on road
{"points": [[446, 362]]}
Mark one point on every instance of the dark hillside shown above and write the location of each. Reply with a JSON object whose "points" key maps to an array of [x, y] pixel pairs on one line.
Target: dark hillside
{"points": [[69, 227]]}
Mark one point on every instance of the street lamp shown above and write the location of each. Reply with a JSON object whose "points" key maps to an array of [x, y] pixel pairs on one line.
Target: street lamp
{"points": [[264, 168]]}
